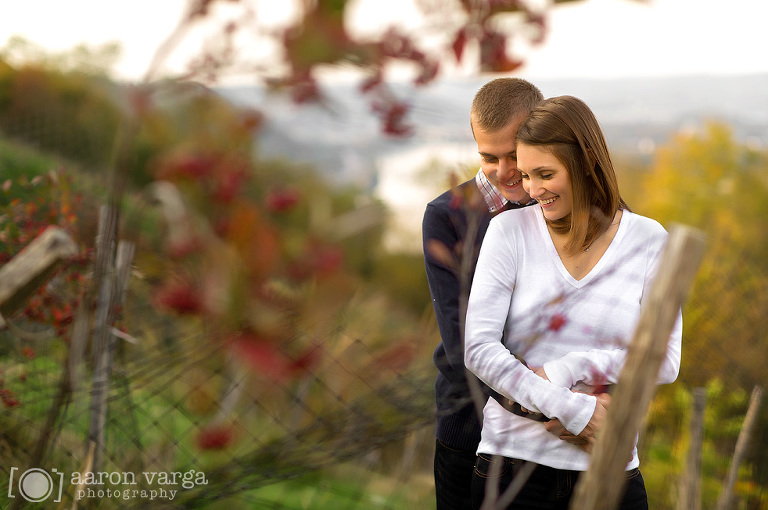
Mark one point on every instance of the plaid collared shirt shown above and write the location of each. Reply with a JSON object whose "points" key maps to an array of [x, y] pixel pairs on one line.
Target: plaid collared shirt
{"points": [[493, 197]]}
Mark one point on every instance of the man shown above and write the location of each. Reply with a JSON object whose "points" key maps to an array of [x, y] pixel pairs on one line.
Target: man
{"points": [[457, 220]]}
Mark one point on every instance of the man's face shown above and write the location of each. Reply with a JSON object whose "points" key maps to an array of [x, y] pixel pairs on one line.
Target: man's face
{"points": [[499, 159]]}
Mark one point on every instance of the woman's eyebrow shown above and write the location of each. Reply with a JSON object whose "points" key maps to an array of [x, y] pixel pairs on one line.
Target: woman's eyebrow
{"points": [[537, 169]]}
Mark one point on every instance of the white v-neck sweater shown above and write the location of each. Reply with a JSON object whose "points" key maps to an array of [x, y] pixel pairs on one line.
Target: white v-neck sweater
{"points": [[578, 330]]}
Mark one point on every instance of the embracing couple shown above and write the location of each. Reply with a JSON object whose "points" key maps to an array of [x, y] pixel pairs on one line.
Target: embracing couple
{"points": [[558, 269]]}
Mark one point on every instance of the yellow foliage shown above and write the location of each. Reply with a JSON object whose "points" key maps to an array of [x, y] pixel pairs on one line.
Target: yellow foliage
{"points": [[709, 180]]}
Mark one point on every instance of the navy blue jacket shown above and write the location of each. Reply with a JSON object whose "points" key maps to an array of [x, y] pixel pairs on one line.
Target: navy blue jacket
{"points": [[447, 220]]}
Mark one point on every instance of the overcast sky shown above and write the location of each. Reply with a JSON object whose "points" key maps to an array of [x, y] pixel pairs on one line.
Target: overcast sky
{"points": [[592, 38]]}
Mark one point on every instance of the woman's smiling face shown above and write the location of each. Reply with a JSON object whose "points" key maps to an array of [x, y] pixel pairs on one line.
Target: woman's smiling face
{"points": [[546, 180]]}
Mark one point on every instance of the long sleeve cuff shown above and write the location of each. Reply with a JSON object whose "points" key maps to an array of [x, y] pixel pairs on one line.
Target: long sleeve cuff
{"points": [[558, 374]]}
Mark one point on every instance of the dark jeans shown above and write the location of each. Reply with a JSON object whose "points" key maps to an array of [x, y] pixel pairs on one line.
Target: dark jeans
{"points": [[453, 477], [547, 488]]}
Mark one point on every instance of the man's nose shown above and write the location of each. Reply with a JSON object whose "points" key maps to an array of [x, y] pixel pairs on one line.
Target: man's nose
{"points": [[507, 168]]}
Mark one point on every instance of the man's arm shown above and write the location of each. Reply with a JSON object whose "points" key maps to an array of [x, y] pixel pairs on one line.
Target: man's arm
{"points": [[447, 227], [439, 229]]}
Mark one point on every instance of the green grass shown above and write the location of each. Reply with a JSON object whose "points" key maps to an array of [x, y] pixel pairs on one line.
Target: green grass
{"points": [[17, 160], [347, 487]]}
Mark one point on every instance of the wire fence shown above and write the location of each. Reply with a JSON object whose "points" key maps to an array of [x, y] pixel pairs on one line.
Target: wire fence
{"points": [[371, 429]]}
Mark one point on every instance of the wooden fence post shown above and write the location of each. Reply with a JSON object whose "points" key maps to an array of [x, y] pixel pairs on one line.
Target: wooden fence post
{"points": [[690, 490], [21, 276], [604, 481], [113, 266], [725, 501]]}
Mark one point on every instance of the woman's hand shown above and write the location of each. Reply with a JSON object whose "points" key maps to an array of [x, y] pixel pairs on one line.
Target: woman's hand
{"points": [[586, 439]]}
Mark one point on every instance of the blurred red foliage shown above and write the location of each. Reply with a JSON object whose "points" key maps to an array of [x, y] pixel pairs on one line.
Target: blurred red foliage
{"points": [[320, 35], [48, 200], [215, 437], [181, 296], [556, 322]]}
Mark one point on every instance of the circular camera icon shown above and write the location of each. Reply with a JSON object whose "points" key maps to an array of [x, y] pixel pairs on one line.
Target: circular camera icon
{"points": [[36, 485]]}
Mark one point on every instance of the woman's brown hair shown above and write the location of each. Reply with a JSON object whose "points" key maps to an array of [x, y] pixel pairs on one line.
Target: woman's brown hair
{"points": [[567, 128]]}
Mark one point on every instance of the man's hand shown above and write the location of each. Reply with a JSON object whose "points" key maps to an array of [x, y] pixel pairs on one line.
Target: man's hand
{"points": [[540, 372], [586, 439]]}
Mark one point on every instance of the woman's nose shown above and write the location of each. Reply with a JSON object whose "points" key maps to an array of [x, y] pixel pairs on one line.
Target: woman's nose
{"points": [[534, 187]]}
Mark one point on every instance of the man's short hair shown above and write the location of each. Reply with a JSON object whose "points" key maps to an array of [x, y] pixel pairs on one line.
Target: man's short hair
{"points": [[500, 101]]}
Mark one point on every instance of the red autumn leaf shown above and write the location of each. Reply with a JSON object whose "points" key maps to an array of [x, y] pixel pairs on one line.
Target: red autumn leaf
{"points": [[556, 322], [190, 166], [62, 316], [318, 260], [599, 381], [267, 360], [217, 437], [8, 398], [228, 181], [393, 119], [372, 82], [180, 296], [307, 360], [493, 53], [260, 355], [459, 43], [279, 201]]}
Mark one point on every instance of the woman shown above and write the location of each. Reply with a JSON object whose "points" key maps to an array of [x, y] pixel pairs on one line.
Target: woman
{"points": [[562, 283]]}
